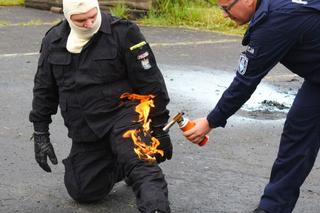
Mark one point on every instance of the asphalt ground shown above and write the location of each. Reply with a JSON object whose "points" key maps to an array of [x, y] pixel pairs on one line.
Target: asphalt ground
{"points": [[227, 175]]}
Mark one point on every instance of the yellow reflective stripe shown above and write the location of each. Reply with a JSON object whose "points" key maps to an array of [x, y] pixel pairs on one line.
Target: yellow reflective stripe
{"points": [[138, 45]]}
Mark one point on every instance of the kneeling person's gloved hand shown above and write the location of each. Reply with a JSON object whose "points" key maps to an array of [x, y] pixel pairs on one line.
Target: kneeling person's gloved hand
{"points": [[165, 144], [43, 149]]}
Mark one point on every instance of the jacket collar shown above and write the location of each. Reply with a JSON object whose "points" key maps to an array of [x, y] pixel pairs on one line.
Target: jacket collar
{"points": [[261, 13], [106, 23], [259, 16]]}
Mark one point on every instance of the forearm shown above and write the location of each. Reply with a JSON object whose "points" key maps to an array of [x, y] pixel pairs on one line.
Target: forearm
{"points": [[43, 106], [160, 114], [230, 102], [45, 98]]}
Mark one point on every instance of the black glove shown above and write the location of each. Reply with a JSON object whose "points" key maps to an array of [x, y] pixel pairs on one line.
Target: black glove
{"points": [[165, 144], [42, 149]]}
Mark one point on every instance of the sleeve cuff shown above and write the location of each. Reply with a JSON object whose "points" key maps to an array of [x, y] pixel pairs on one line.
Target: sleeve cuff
{"points": [[41, 127], [160, 120], [216, 119]]}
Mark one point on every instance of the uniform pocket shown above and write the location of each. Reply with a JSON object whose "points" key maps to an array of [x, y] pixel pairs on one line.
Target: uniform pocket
{"points": [[108, 67], [61, 67]]}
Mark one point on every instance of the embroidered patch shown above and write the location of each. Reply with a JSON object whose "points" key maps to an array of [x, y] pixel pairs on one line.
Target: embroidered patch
{"points": [[143, 58], [143, 55], [243, 64], [146, 64], [250, 50]]}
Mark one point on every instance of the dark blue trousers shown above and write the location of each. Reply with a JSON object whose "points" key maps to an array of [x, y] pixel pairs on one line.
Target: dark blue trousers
{"points": [[298, 150]]}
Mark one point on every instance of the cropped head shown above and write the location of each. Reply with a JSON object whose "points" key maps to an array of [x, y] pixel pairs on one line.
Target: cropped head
{"points": [[84, 18], [82, 13], [240, 11]]}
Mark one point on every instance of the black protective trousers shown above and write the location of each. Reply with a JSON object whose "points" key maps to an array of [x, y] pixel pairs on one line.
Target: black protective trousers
{"points": [[92, 169]]}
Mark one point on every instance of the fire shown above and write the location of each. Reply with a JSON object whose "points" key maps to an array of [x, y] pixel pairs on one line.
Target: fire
{"points": [[143, 150]]}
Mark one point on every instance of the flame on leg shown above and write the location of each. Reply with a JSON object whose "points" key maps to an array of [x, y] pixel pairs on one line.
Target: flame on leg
{"points": [[138, 136]]}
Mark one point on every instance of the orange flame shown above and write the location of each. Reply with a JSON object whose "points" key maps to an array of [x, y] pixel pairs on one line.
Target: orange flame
{"points": [[143, 150]]}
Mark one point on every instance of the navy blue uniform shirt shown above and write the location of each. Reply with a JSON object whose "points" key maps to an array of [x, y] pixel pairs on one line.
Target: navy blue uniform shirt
{"points": [[285, 31]]}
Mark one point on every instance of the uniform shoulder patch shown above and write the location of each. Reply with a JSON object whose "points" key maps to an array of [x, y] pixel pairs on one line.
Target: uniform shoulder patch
{"points": [[142, 53], [250, 50], [243, 64]]}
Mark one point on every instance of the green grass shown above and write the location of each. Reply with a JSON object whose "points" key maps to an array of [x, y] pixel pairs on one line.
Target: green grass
{"points": [[37, 22], [11, 2], [34, 22], [191, 14], [198, 14], [120, 10], [3, 23]]}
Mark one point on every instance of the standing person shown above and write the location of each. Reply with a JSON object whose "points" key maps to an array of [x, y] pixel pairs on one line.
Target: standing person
{"points": [[285, 31], [87, 62]]}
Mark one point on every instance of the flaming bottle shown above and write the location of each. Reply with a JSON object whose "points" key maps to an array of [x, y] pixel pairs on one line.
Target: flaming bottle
{"points": [[185, 124]]}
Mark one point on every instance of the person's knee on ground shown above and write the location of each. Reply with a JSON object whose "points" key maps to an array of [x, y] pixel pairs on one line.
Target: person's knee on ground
{"points": [[85, 192], [89, 176]]}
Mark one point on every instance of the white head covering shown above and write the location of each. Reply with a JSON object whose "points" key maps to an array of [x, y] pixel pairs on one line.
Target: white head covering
{"points": [[79, 36]]}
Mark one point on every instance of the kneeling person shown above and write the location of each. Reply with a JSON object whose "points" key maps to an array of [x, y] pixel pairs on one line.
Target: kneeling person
{"points": [[87, 62]]}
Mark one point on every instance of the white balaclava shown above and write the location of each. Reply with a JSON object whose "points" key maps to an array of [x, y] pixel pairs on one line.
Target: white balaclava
{"points": [[79, 36]]}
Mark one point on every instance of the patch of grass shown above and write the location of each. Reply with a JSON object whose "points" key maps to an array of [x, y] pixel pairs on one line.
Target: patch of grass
{"points": [[3, 23], [191, 14], [34, 22], [11, 2], [38, 22], [120, 10]]}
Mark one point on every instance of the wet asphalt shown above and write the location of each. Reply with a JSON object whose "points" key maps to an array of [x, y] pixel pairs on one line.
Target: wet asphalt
{"points": [[227, 175]]}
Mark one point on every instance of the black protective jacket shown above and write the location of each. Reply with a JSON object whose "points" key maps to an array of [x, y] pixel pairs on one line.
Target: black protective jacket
{"points": [[87, 86]]}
